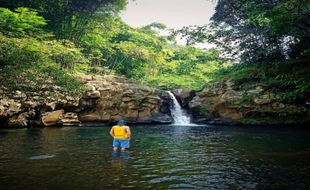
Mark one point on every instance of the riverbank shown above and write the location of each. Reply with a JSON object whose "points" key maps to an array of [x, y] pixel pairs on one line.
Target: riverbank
{"points": [[109, 98], [250, 103], [106, 99]]}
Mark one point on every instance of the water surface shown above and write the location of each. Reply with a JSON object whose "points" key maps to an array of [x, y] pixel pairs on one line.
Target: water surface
{"points": [[161, 157]]}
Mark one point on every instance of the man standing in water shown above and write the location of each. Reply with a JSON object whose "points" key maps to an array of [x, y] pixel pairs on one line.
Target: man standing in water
{"points": [[121, 135]]}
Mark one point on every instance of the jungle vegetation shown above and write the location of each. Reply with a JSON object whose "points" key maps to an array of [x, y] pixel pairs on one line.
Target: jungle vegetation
{"points": [[257, 40]]}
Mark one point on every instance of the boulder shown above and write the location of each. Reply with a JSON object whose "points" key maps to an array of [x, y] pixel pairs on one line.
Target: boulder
{"points": [[105, 98], [228, 103], [49, 106], [232, 96], [131, 115], [228, 84], [230, 114], [257, 90], [19, 95], [244, 103], [152, 99], [29, 104], [9, 107], [52, 118], [88, 117], [93, 94], [20, 120], [208, 92], [87, 103], [144, 114], [265, 99], [70, 119]]}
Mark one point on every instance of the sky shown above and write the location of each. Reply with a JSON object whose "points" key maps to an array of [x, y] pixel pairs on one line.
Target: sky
{"points": [[173, 13]]}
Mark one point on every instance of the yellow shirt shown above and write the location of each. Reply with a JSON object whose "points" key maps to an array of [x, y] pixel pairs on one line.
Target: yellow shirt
{"points": [[120, 132]]}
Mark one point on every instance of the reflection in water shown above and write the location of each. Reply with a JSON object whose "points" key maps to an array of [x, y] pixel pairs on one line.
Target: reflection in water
{"points": [[118, 163], [161, 157]]}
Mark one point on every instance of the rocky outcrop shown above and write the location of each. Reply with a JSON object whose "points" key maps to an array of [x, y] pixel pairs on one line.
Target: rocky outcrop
{"points": [[184, 96], [70, 119], [111, 98], [105, 99], [226, 102]]}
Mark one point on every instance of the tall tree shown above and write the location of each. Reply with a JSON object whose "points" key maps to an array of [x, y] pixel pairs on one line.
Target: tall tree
{"points": [[69, 19], [258, 30]]}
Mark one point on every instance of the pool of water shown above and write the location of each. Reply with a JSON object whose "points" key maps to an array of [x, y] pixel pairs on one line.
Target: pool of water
{"points": [[161, 157]]}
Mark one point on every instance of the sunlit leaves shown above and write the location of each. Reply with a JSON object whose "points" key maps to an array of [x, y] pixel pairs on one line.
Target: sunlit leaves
{"points": [[21, 22]]}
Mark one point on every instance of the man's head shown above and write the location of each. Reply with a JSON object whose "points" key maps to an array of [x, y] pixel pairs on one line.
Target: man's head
{"points": [[121, 122]]}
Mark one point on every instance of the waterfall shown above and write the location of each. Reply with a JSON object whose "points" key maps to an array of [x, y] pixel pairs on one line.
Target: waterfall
{"points": [[179, 115]]}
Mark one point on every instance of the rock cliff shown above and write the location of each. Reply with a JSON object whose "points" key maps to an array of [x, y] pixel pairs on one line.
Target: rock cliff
{"points": [[227, 102], [106, 99]]}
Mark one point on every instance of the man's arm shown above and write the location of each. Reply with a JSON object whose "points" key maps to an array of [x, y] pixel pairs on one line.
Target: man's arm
{"points": [[112, 132], [128, 132]]}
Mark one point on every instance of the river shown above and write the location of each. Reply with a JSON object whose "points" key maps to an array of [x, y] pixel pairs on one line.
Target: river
{"points": [[161, 157]]}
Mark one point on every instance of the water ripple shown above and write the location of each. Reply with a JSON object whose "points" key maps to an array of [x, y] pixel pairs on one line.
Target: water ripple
{"points": [[161, 157]]}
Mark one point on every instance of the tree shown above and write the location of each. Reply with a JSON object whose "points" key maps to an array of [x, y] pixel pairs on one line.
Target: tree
{"points": [[257, 30], [69, 19], [21, 22]]}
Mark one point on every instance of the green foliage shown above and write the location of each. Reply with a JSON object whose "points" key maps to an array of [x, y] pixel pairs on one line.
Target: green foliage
{"points": [[22, 22], [294, 81], [108, 45], [186, 67], [129, 58], [155, 25], [69, 19], [145, 55], [256, 31], [66, 54], [126, 50], [240, 72], [31, 78], [14, 51], [290, 82], [167, 82], [29, 63]]}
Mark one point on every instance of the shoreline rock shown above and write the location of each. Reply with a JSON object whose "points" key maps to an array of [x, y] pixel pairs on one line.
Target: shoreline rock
{"points": [[225, 102], [109, 98], [106, 99]]}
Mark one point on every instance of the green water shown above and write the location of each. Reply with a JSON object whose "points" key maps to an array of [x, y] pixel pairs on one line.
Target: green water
{"points": [[161, 157]]}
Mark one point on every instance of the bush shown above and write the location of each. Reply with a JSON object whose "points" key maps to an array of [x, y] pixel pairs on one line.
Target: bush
{"points": [[286, 78], [22, 22], [29, 63], [66, 54], [14, 51], [171, 81]]}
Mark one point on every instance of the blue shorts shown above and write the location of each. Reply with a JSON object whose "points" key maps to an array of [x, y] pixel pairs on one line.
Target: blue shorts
{"points": [[121, 143]]}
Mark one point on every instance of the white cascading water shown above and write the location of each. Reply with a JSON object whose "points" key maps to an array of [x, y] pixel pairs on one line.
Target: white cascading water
{"points": [[179, 116]]}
